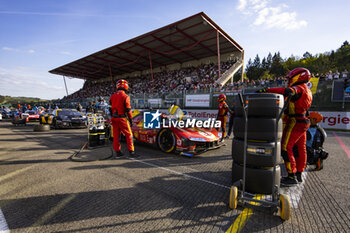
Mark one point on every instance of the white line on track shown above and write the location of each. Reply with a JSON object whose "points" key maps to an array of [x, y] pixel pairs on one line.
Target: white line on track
{"points": [[180, 173], [295, 193], [14, 173], [3, 225]]}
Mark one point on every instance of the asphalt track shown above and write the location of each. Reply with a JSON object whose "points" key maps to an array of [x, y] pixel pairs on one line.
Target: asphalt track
{"points": [[41, 190]]}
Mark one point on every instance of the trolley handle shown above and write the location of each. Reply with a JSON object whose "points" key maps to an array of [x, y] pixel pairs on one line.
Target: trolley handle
{"points": [[284, 106], [243, 105]]}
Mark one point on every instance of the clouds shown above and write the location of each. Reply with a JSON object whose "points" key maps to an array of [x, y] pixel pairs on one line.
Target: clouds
{"points": [[30, 51], [24, 81], [271, 17]]}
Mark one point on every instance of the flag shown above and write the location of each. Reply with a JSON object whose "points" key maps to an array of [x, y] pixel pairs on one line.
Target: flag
{"points": [[312, 84]]}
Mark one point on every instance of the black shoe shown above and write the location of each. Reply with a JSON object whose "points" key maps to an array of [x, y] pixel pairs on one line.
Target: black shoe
{"points": [[119, 154], [289, 180], [132, 154], [299, 177]]}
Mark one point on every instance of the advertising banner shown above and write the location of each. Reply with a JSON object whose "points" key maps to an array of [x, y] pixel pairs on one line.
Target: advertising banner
{"points": [[202, 100], [155, 102], [331, 120], [335, 120]]}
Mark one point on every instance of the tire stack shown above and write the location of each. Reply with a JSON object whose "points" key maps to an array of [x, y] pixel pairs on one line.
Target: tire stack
{"points": [[263, 111]]}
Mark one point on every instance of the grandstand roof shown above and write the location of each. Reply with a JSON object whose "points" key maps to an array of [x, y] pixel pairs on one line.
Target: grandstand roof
{"points": [[192, 38]]}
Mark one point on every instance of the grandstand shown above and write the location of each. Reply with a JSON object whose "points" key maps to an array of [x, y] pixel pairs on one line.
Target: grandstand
{"points": [[177, 57]]}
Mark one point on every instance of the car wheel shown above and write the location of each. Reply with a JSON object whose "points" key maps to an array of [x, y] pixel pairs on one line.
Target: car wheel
{"points": [[258, 128], [166, 140], [259, 154], [258, 180], [41, 128]]}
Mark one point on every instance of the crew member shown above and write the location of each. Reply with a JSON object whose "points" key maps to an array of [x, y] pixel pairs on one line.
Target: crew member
{"points": [[315, 139], [121, 118], [296, 123], [231, 120], [222, 114]]}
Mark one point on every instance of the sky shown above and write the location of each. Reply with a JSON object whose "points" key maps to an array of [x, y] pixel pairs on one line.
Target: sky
{"points": [[39, 35]]}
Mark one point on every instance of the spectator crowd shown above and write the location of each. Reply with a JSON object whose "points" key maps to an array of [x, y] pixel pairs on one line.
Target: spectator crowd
{"points": [[195, 79]]}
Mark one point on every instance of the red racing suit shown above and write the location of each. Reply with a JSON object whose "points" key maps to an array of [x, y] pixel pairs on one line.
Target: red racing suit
{"points": [[121, 111], [296, 123], [222, 116]]}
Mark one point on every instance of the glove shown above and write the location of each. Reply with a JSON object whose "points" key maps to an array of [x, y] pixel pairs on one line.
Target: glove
{"points": [[264, 90]]}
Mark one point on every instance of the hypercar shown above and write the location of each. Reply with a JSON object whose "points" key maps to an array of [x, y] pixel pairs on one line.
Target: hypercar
{"points": [[186, 141], [31, 115], [67, 118]]}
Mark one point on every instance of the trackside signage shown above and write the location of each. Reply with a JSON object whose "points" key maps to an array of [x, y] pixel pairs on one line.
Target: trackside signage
{"points": [[153, 120], [335, 120], [197, 100], [331, 120]]}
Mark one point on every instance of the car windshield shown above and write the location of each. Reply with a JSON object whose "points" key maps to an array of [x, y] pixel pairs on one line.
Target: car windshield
{"points": [[69, 113], [176, 113], [31, 112]]}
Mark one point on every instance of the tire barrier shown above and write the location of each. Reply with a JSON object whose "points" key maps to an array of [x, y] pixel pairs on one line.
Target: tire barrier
{"points": [[262, 129], [259, 154], [261, 105], [41, 128], [258, 180]]}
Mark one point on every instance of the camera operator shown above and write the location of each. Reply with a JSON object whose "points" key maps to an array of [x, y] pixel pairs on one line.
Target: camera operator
{"points": [[315, 139]]}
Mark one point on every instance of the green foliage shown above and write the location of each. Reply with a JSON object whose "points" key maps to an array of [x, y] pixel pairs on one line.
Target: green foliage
{"points": [[20, 100], [275, 65]]}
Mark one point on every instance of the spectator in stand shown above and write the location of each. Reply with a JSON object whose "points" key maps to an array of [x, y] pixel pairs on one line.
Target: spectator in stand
{"points": [[330, 75], [344, 74], [336, 74]]}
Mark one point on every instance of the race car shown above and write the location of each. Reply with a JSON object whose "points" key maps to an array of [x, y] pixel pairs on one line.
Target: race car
{"points": [[31, 115], [66, 118], [186, 141]]}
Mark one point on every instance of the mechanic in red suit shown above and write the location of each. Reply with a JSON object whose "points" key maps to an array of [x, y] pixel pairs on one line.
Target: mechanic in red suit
{"points": [[222, 114], [121, 118], [296, 123]]}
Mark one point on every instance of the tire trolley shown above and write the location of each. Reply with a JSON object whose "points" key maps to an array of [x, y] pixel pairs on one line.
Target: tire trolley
{"points": [[259, 160]]}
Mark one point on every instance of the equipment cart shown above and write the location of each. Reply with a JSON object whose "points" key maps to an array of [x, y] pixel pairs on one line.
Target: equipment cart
{"points": [[256, 153]]}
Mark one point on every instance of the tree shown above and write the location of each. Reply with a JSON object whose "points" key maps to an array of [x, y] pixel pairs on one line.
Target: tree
{"points": [[2, 99], [307, 55], [277, 66]]}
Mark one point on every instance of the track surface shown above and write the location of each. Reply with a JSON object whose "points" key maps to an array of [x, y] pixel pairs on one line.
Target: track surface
{"points": [[42, 191]]}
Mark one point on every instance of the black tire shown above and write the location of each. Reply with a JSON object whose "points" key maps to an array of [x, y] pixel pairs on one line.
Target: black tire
{"points": [[261, 105], [166, 141], [262, 129], [54, 123], [257, 180], [41, 128], [259, 154]]}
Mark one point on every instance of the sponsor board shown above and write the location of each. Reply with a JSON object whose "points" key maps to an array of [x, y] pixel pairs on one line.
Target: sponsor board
{"points": [[331, 120], [335, 120], [202, 100]]}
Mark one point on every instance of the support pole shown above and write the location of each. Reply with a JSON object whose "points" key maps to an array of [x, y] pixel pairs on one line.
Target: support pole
{"points": [[218, 47], [65, 84], [110, 73], [242, 76], [150, 62]]}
